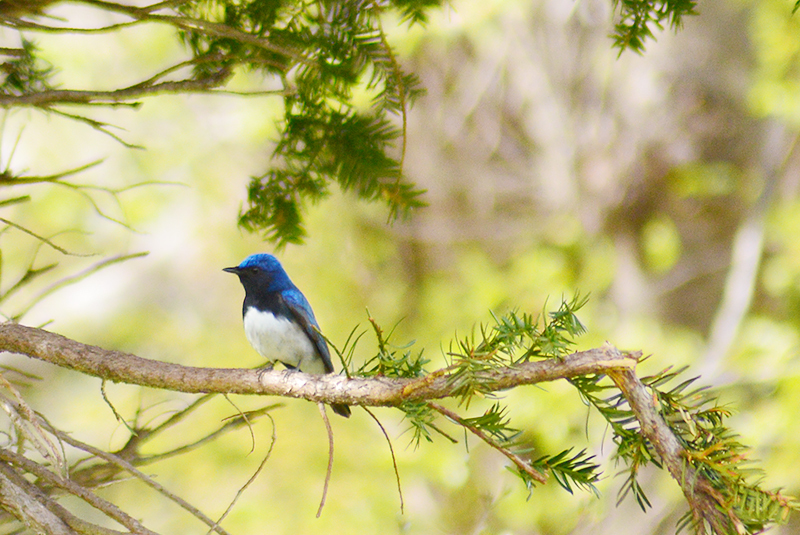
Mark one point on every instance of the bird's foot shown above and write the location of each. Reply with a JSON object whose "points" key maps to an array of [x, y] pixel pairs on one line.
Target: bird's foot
{"points": [[264, 368], [289, 370]]}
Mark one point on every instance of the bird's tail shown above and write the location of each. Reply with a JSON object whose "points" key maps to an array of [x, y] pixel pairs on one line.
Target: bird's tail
{"points": [[341, 409]]}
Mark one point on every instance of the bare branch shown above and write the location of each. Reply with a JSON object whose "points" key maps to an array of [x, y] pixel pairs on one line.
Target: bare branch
{"points": [[118, 96], [72, 279], [146, 14], [8, 179], [235, 423], [394, 459], [119, 463], [197, 25], [328, 472], [40, 238], [29, 504], [381, 391], [76, 490], [253, 477], [39, 511]]}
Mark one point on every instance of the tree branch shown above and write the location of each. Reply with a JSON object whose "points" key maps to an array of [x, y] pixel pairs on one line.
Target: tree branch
{"points": [[705, 502], [71, 96], [122, 367], [708, 505], [73, 488], [518, 461], [29, 504]]}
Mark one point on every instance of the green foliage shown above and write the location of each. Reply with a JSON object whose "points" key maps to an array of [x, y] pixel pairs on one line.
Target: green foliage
{"points": [[402, 361], [319, 146], [323, 53], [692, 415], [392, 361], [398, 361], [631, 445], [24, 71], [710, 447], [345, 95], [422, 419], [638, 17], [577, 470], [513, 339]]}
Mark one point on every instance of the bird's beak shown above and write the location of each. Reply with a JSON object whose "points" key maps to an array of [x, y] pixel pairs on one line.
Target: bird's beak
{"points": [[231, 269]]}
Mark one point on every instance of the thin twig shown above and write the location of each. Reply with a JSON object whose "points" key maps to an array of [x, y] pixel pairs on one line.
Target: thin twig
{"points": [[394, 459], [230, 425], [198, 25], [520, 463], [255, 474], [80, 189], [72, 279], [97, 125], [20, 24], [117, 415], [136, 91], [41, 238], [128, 467], [328, 472], [246, 420], [180, 415], [73, 488], [8, 179]]}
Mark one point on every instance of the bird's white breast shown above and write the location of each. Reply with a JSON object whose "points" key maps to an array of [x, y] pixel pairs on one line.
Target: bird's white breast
{"points": [[279, 339]]}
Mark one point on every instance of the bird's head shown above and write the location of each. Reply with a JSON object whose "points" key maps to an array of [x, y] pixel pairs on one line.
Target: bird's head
{"points": [[261, 270]]}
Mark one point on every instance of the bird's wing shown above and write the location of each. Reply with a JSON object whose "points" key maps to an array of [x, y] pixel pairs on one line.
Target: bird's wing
{"points": [[301, 311]]}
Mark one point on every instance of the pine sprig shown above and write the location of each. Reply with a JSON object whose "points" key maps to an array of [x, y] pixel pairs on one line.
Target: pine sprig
{"points": [[571, 470], [421, 418], [345, 94], [401, 362], [710, 448], [494, 423], [25, 72], [335, 49], [638, 18], [514, 338], [665, 408], [327, 56], [391, 360]]}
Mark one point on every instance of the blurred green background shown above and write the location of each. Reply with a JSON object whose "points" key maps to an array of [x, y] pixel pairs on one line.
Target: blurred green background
{"points": [[552, 164]]}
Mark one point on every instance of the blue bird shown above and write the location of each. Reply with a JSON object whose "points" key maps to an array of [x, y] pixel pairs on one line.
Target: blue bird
{"points": [[279, 322]]}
